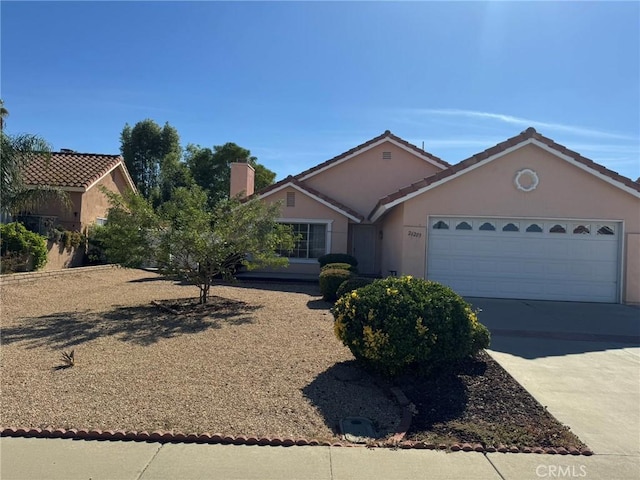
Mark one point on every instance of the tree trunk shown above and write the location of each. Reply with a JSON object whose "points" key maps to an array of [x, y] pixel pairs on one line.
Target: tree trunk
{"points": [[204, 290]]}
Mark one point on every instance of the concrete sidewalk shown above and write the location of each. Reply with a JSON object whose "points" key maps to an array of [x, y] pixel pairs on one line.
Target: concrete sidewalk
{"points": [[63, 459]]}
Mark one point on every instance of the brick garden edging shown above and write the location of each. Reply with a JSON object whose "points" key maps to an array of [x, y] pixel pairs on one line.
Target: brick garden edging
{"points": [[207, 438], [28, 276]]}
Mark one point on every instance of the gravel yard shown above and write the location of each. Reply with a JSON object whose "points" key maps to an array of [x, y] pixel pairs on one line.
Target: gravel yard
{"points": [[261, 360]]}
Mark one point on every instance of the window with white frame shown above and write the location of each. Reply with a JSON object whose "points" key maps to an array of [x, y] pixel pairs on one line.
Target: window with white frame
{"points": [[311, 243], [101, 221]]}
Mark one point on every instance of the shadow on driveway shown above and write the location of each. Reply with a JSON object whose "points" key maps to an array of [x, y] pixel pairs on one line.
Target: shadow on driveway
{"points": [[534, 329]]}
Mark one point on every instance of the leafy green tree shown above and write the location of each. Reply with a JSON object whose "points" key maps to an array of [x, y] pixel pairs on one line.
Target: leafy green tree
{"points": [[126, 237], [187, 238], [148, 149], [4, 113], [264, 176], [211, 169], [16, 152]]}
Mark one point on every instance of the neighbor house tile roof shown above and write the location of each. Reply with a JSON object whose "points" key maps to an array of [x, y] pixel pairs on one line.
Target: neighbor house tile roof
{"points": [[294, 181], [529, 133], [354, 150], [68, 169]]}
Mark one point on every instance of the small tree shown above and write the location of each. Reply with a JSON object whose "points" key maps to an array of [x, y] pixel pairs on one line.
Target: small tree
{"points": [[187, 239]]}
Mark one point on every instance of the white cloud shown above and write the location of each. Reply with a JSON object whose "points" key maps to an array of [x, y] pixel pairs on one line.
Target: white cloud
{"points": [[524, 122]]}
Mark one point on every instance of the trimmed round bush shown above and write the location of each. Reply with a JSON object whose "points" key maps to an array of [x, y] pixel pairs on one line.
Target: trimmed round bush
{"points": [[352, 284], [398, 322], [330, 281], [337, 258], [341, 266], [18, 245]]}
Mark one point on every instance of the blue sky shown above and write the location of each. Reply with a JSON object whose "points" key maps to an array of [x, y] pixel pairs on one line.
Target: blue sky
{"points": [[299, 82]]}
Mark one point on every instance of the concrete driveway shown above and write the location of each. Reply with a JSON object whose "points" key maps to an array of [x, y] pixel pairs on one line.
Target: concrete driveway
{"points": [[580, 360]]}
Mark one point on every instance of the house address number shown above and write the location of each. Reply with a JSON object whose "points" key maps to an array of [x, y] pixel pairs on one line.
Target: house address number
{"points": [[411, 233]]}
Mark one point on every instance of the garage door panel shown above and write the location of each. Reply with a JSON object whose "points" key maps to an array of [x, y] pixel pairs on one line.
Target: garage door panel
{"points": [[536, 265]]}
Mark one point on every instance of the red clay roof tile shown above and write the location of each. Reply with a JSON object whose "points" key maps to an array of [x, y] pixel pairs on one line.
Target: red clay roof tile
{"points": [[68, 169]]}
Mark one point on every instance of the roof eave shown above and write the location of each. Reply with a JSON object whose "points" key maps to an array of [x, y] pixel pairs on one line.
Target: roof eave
{"points": [[374, 142], [302, 190]]}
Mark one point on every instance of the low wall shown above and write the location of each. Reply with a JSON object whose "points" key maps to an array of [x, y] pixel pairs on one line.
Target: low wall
{"points": [[29, 276], [59, 257]]}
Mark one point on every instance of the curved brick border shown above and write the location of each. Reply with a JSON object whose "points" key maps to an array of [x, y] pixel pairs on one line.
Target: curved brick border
{"points": [[179, 437]]}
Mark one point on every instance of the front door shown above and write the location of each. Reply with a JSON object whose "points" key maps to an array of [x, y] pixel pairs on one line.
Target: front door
{"points": [[363, 247]]}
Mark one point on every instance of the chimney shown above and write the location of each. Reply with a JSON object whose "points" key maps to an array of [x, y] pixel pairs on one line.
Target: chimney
{"points": [[242, 179]]}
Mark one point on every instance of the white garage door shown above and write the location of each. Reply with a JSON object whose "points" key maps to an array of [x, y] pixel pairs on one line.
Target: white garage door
{"points": [[526, 258]]}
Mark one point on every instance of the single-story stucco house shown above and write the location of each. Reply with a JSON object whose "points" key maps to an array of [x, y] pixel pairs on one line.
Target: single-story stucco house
{"points": [[527, 218], [82, 176]]}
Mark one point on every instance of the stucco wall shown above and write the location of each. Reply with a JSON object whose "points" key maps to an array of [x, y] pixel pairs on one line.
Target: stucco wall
{"points": [[95, 203], [564, 191], [391, 244], [68, 217], [306, 208], [58, 258], [632, 274], [362, 180]]}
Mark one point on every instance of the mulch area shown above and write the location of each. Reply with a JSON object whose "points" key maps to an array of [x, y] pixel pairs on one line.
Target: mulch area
{"points": [[478, 402]]}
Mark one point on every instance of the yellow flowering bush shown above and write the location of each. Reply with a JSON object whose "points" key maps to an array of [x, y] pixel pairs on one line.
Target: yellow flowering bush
{"points": [[398, 322], [352, 284]]}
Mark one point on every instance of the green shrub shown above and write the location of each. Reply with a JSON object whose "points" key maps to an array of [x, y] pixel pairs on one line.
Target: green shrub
{"points": [[330, 281], [19, 246], [95, 254], [337, 258], [341, 266], [352, 284], [398, 322]]}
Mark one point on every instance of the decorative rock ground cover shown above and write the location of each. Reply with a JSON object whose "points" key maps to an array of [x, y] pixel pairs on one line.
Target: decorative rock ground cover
{"points": [[260, 364]]}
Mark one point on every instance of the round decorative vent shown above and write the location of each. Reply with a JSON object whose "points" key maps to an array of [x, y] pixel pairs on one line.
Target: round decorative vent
{"points": [[526, 180]]}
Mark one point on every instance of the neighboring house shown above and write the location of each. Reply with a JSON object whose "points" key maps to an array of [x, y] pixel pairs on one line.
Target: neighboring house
{"points": [[81, 175], [527, 218]]}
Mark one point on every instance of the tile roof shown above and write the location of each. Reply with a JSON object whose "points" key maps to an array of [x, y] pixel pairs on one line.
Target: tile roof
{"points": [[529, 133], [354, 150], [294, 181], [69, 169]]}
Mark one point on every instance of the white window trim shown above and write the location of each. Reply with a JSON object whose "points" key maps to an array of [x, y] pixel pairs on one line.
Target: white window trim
{"points": [[317, 221]]}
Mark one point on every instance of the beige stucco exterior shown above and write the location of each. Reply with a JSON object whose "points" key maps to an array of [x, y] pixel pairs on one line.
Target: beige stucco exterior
{"points": [[391, 195], [95, 204], [242, 179], [363, 179], [564, 192], [309, 210], [85, 207]]}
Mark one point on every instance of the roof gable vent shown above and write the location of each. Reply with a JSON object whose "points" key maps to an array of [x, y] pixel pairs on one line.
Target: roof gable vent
{"points": [[386, 155]]}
